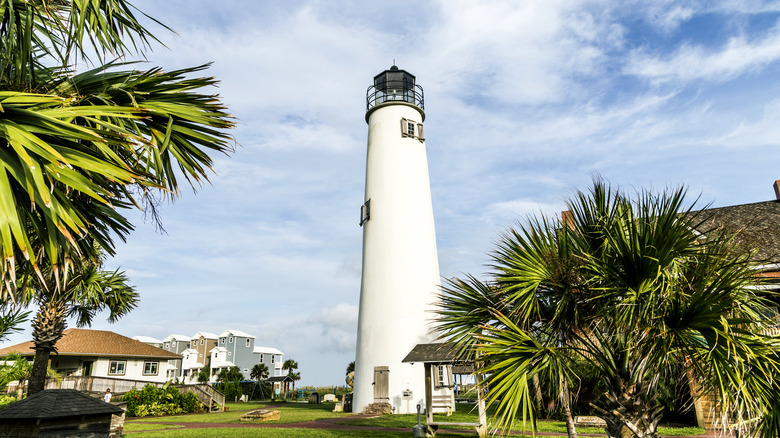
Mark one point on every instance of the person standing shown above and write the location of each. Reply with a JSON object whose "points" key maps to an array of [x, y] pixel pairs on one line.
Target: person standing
{"points": [[107, 397]]}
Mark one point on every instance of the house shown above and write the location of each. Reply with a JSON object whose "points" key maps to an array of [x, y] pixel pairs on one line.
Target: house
{"points": [[101, 353], [235, 348], [198, 356], [755, 226], [272, 358], [154, 342], [175, 344]]}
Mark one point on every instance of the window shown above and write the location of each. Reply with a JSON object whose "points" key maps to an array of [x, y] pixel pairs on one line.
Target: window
{"points": [[221, 340], [202, 341], [200, 355], [150, 368], [272, 358], [365, 212], [410, 128], [247, 342], [173, 344], [116, 367], [167, 345], [261, 357], [230, 339], [228, 353], [194, 344]]}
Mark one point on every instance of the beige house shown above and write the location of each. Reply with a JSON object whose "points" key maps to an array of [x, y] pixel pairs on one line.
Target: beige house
{"points": [[100, 353]]}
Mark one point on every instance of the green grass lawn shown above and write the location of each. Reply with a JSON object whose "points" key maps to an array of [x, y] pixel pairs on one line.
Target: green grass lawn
{"points": [[277, 433], [290, 413], [301, 412]]}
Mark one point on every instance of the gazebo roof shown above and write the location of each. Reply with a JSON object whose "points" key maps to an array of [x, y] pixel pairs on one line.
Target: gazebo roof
{"points": [[279, 379], [433, 353], [57, 403]]}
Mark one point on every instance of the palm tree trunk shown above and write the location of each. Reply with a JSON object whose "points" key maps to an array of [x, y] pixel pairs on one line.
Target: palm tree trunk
{"points": [[48, 327], [565, 397]]}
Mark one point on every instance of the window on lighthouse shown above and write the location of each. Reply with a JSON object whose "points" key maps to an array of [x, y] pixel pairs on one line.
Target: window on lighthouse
{"points": [[410, 128]]}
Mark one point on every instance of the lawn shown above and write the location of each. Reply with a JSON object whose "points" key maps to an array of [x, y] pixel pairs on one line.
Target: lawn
{"points": [[301, 412], [291, 413]]}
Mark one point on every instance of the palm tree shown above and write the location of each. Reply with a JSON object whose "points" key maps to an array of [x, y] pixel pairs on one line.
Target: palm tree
{"points": [[78, 149], [87, 291], [290, 366], [17, 368], [637, 288], [259, 372]]}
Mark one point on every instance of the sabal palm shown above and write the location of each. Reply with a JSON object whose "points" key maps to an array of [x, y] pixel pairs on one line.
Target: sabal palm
{"points": [[631, 287], [259, 372], [78, 149], [88, 291]]}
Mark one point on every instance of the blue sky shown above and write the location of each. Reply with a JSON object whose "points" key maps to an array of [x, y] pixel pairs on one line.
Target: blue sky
{"points": [[525, 102]]}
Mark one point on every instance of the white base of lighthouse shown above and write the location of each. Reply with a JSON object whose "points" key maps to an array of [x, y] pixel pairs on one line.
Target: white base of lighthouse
{"points": [[400, 279]]}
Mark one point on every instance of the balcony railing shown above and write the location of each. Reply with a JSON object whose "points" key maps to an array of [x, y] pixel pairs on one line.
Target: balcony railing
{"points": [[413, 95]]}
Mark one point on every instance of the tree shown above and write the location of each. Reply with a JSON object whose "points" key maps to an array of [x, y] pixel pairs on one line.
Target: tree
{"points": [[636, 287], [259, 372], [350, 367], [290, 366], [79, 149], [203, 376], [17, 368], [87, 291]]}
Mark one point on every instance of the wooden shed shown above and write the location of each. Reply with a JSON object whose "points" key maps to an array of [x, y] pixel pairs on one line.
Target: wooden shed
{"points": [[61, 413]]}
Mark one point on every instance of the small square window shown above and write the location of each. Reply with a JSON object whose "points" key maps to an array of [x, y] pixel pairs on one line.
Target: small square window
{"points": [[116, 367], [150, 368], [167, 345], [365, 212]]}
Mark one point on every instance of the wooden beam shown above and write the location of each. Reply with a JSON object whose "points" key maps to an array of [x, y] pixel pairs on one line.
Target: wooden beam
{"points": [[428, 395], [482, 429]]}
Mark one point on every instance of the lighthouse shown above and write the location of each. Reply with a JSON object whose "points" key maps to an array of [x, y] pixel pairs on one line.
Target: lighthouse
{"points": [[400, 277]]}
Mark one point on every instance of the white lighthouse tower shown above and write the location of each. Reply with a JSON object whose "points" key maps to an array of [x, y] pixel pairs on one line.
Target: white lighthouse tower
{"points": [[400, 281]]}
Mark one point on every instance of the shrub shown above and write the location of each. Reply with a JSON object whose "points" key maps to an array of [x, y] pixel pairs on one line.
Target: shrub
{"points": [[155, 401]]}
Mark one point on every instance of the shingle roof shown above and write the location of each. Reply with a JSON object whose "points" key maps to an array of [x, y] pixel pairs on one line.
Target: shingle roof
{"points": [[83, 342], [57, 403], [432, 353], [279, 379], [756, 224]]}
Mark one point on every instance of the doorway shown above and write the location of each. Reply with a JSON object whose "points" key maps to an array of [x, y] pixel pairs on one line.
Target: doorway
{"points": [[381, 385]]}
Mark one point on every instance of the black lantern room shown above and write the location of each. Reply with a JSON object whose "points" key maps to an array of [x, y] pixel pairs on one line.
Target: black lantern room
{"points": [[394, 85]]}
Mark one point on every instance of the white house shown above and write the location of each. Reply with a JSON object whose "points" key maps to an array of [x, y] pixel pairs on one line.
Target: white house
{"points": [[100, 353], [272, 358]]}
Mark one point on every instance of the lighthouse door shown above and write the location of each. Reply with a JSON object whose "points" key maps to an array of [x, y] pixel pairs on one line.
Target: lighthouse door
{"points": [[381, 384]]}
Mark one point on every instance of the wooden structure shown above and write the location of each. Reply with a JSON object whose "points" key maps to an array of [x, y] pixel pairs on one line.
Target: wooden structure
{"points": [[282, 383], [438, 354], [61, 413]]}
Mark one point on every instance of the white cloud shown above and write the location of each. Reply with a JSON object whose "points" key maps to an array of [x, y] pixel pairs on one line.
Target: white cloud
{"points": [[690, 62]]}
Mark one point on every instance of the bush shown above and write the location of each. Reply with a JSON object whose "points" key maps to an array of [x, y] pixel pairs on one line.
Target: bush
{"points": [[232, 390], [6, 400], [155, 401]]}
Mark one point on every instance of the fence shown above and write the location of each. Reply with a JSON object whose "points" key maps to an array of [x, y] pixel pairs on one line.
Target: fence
{"points": [[210, 397]]}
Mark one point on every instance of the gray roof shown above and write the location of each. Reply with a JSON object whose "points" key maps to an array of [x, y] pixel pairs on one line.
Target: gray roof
{"points": [[57, 403], [432, 353], [756, 225], [279, 379]]}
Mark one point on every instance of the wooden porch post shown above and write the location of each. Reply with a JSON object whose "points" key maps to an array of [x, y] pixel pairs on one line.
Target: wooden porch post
{"points": [[428, 395], [482, 429]]}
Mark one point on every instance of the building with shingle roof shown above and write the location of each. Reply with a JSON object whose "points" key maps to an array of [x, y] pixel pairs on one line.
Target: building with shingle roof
{"points": [[83, 352], [60, 412]]}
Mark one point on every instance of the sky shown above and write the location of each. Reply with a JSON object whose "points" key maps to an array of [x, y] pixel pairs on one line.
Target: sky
{"points": [[525, 102]]}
